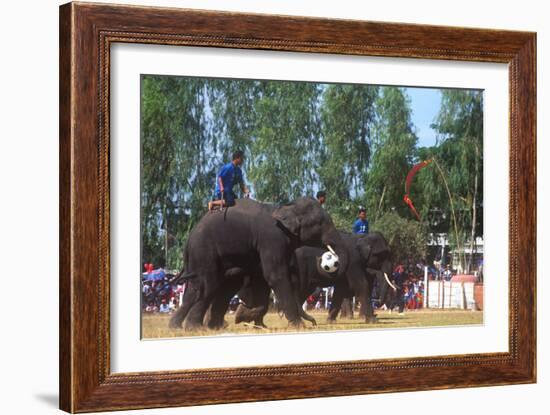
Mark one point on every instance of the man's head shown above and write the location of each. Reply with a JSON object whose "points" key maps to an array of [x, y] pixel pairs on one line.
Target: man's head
{"points": [[238, 157], [362, 214], [321, 196]]}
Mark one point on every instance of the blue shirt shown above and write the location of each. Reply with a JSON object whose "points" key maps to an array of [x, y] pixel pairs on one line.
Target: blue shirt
{"points": [[360, 226], [230, 175]]}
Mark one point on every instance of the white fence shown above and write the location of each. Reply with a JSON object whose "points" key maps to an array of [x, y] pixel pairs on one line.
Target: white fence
{"points": [[448, 294]]}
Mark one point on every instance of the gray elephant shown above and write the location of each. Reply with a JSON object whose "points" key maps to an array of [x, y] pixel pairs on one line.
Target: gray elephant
{"points": [[369, 259], [257, 240]]}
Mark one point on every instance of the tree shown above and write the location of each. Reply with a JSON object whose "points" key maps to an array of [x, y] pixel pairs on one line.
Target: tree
{"points": [[393, 153], [347, 116], [176, 167], [459, 154], [408, 239], [234, 115], [285, 140], [357, 142]]}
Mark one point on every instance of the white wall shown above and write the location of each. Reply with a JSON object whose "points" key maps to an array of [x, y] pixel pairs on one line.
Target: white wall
{"points": [[28, 172]]}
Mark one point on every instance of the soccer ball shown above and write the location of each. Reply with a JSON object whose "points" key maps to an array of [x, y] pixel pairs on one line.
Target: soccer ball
{"points": [[329, 262]]}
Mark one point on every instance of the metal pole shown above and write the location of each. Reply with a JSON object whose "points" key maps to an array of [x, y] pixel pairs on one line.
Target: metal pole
{"points": [[426, 282], [165, 240]]}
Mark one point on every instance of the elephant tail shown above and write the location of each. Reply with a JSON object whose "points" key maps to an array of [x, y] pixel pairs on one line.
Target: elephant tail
{"points": [[184, 274], [188, 275], [182, 277]]}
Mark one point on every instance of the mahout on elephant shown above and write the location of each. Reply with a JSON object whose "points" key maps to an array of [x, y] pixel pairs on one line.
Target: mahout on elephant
{"points": [[369, 260], [255, 239]]}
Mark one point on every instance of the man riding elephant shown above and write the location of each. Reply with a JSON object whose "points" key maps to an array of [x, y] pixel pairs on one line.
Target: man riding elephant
{"points": [[257, 238], [229, 175]]}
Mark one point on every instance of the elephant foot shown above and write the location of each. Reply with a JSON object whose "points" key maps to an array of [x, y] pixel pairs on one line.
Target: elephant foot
{"points": [[255, 326], [218, 326], [309, 318], [246, 314], [296, 324], [191, 326], [174, 324], [371, 319]]}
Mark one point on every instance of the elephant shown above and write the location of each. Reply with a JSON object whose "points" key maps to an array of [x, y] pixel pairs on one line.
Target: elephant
{"points": [[254, 239], [369, 258]]}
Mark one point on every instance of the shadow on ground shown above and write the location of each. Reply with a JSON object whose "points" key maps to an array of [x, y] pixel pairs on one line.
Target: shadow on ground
{"points": [[49, 399]]}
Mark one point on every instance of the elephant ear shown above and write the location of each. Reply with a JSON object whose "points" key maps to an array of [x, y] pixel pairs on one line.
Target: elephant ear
{"points": [[364, 248], [286, 216], [367, 247]]}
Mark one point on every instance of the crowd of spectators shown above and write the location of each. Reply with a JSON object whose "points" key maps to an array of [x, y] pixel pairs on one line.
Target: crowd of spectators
{"points": [[158, 294]]}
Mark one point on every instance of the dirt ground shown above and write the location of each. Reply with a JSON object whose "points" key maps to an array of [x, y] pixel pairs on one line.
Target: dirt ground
{"points": [[156, 325]]}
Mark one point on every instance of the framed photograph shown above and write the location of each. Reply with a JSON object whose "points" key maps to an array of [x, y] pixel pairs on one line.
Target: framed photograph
{"points": [[258, 207]]}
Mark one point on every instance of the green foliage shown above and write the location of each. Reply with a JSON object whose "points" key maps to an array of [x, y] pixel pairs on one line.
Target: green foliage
{"points": [[407, 238], [459, 154], [357, 142], [394, 150], [175, 161], [343, 214], [347, 119], [283, 151]]}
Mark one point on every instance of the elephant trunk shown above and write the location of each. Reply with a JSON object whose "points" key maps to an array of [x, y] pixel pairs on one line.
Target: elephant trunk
{"points": [[334, 243], [387, 288]]}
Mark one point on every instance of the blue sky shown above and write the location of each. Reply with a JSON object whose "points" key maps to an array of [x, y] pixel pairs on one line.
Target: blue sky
{"points": [[425, 104]]}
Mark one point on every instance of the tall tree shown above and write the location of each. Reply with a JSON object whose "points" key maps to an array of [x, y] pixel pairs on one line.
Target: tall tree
{"points": [[459, 157], [393, 153], [347, 115], [460, 127], [175, 162], [285, 140], [234, 115]]}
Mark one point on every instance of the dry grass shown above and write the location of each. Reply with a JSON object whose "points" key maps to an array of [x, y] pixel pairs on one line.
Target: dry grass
{"points": [[156, 325]]}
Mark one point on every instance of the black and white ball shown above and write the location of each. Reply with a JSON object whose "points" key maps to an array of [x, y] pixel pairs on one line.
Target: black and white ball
{"points": [[329, 262]]}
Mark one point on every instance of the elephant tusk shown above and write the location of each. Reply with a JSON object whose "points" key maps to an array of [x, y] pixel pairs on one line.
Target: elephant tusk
{"points": [[388, 281], [331, 250]]}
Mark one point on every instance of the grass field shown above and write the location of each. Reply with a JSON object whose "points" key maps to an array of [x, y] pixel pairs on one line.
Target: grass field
{"points": [[156, 325]]}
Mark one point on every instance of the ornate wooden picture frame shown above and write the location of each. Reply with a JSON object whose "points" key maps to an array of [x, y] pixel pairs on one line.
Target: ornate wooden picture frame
{"points": [[87, 32]]}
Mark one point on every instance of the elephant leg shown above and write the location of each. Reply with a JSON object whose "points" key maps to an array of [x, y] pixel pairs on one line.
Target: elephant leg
{"points": [[195, 317], [336, 303], [347, 308], [220, 303], [209, 287], [276, 274], [262, 292], [366, 301], [189, 296], [207, 315], [300, 300], [361, 284], [255, 301]]}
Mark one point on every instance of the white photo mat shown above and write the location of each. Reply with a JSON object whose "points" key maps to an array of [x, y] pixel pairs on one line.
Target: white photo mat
{"points": [[131, 354]]}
